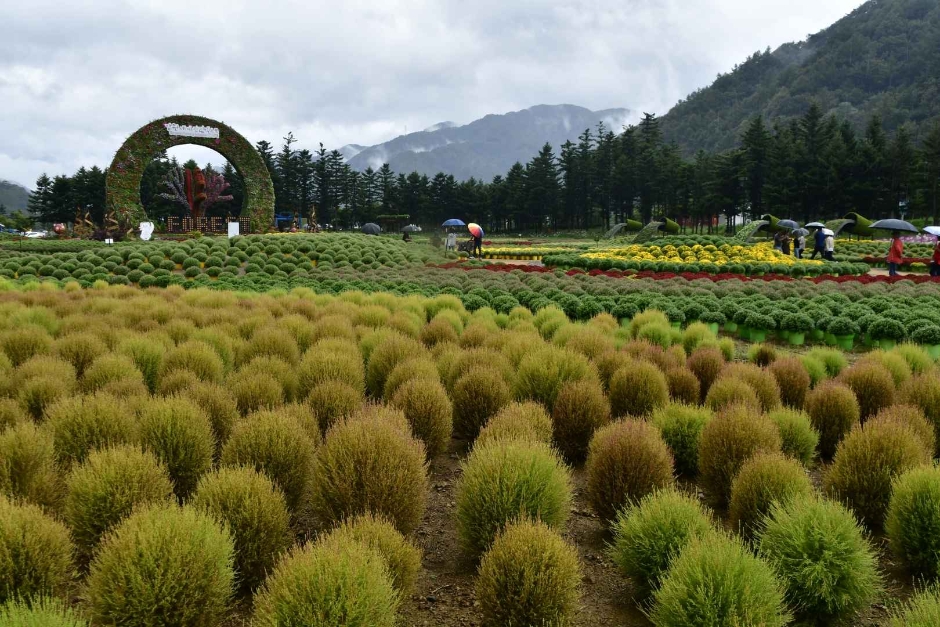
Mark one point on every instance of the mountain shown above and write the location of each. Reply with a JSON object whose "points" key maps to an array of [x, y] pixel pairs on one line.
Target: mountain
{"points": [[883, 58], [485, 147], [13, 196]]}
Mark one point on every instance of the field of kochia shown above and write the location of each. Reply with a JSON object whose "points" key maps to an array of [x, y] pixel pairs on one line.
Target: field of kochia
{"points": [[231, 451]]}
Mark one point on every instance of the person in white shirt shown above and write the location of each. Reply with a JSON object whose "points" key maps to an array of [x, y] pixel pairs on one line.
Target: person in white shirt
{"points": [[830, 248], [451, 242]]}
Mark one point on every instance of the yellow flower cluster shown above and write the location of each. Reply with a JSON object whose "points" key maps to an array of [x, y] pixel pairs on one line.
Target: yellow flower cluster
{"points": [[725, 254]]}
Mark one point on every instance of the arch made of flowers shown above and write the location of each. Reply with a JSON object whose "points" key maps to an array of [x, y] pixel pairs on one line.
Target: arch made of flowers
{"points": [[149, 142]]}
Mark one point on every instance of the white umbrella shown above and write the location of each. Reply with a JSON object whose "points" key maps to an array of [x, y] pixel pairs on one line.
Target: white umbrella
{"points": [[816, 225], [933, 230], [828, 232]]}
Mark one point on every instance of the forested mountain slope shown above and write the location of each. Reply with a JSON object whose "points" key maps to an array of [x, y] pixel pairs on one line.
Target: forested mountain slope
{"points": [[883, 58]]}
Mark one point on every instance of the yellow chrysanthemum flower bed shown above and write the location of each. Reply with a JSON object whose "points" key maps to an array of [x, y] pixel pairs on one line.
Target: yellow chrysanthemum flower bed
{"points": [[718, 255]]}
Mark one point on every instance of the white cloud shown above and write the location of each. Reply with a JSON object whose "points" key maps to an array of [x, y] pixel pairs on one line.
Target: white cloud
{"points": [[77, 77]]}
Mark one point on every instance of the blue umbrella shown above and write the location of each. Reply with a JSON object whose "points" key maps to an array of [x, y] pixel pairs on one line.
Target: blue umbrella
{"points": [[454, 222]]}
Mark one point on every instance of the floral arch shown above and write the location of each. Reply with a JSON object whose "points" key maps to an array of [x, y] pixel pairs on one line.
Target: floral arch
{"points": [[148, 142]]}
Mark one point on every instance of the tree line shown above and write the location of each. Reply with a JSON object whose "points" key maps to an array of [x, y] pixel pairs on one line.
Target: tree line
{"points": [[814, 167]]}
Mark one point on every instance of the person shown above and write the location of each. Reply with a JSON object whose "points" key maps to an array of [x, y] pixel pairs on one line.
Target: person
{"points": [[935, 262], [895, 254], [778, 241], [800, 245], [819, 244], [406, 237], [785, 244], [451, 242], [478, 246], [830, 246]]}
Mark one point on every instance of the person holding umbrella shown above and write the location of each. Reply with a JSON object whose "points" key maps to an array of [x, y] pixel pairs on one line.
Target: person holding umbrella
{"points": [[935, 260], [895, 253], [819, 244], [476, 231], [800, 243]]}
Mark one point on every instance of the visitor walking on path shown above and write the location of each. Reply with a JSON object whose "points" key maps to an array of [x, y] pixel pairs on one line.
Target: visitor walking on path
{"points": [[830, 246], [800, 246], [819, 244], [785, 244], [895, 254], [478, 246], [778, 241], [935, 263]]}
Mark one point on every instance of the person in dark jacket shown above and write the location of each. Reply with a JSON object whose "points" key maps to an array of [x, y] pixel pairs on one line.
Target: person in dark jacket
{"points": [[819, 244]]}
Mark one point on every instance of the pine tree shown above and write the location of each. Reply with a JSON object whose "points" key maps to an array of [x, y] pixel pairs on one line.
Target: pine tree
{"points": [[930, 157], [39, 204], [756, 146]]}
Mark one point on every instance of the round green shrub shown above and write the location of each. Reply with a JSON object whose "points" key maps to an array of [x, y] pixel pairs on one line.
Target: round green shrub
{"points": [[418, 368], [763, 480], [637, 390], [793, 379], [332, 401], [913, 522], [11, 414], [681, 427], [176, 382], [506, 479], [873, 386], [684, 386], [320, 366], [923, 610], [761, 381], [526, 421], [107, 369], [180, 435], [580, 409], [833, 410], [196, 357], [728, 391], [323, 584], [542, 373], [626, 461], [385, 356], [255, 512], [219, 405], [717, 581], [834, 360], [478, 395], [867, 461], [41, 611], [81, 424], [28, 470], [923, 391], [106, 488], [162, 561], [820, 553], [799, 437], [255, 390], [706, 364], [370, 463], [36, 550], [912, 417], [277, 445], [762, 355], [893, 362], [529, 576], [731, 438], [649, 535], [429, 412], [401, 556], [918, 360]]}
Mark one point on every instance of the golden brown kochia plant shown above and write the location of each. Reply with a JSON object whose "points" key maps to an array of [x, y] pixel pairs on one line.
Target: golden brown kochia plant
{"points": [[580, 409], [728, 440], [526, 421], [370, 464], [626, 461], [833, 410], [638, 389], [763, 480]]}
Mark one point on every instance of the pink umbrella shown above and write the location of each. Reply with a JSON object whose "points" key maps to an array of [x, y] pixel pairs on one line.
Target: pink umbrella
{"points": [[475, 229]]}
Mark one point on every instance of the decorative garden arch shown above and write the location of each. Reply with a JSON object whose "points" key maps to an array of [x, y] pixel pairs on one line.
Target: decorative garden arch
{"points": [[148, 142]]}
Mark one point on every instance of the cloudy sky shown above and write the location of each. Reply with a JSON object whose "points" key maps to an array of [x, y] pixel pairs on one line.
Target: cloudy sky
{"points": [[78, 76]]}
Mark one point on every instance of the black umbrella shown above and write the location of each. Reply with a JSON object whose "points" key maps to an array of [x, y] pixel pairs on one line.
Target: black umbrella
{"points": [[788, 224], [895, 225], [371, 228], [411, 228]]}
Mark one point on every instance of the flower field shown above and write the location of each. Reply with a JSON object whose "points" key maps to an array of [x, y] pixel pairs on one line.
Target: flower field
{"points": [[309, 430]]}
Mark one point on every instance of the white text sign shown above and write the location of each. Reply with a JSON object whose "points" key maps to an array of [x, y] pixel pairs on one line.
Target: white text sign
{"points": [[182, 130]]}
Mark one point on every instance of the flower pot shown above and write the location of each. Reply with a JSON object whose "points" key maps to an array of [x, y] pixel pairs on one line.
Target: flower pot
{"points": [[846, 342], [796, 338], [743, 332], [713, 327], [868, 341], [783, 334], [934, 351], [830, 339], [817, 335], [887, 344], [758, 335], [731, 327]]}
